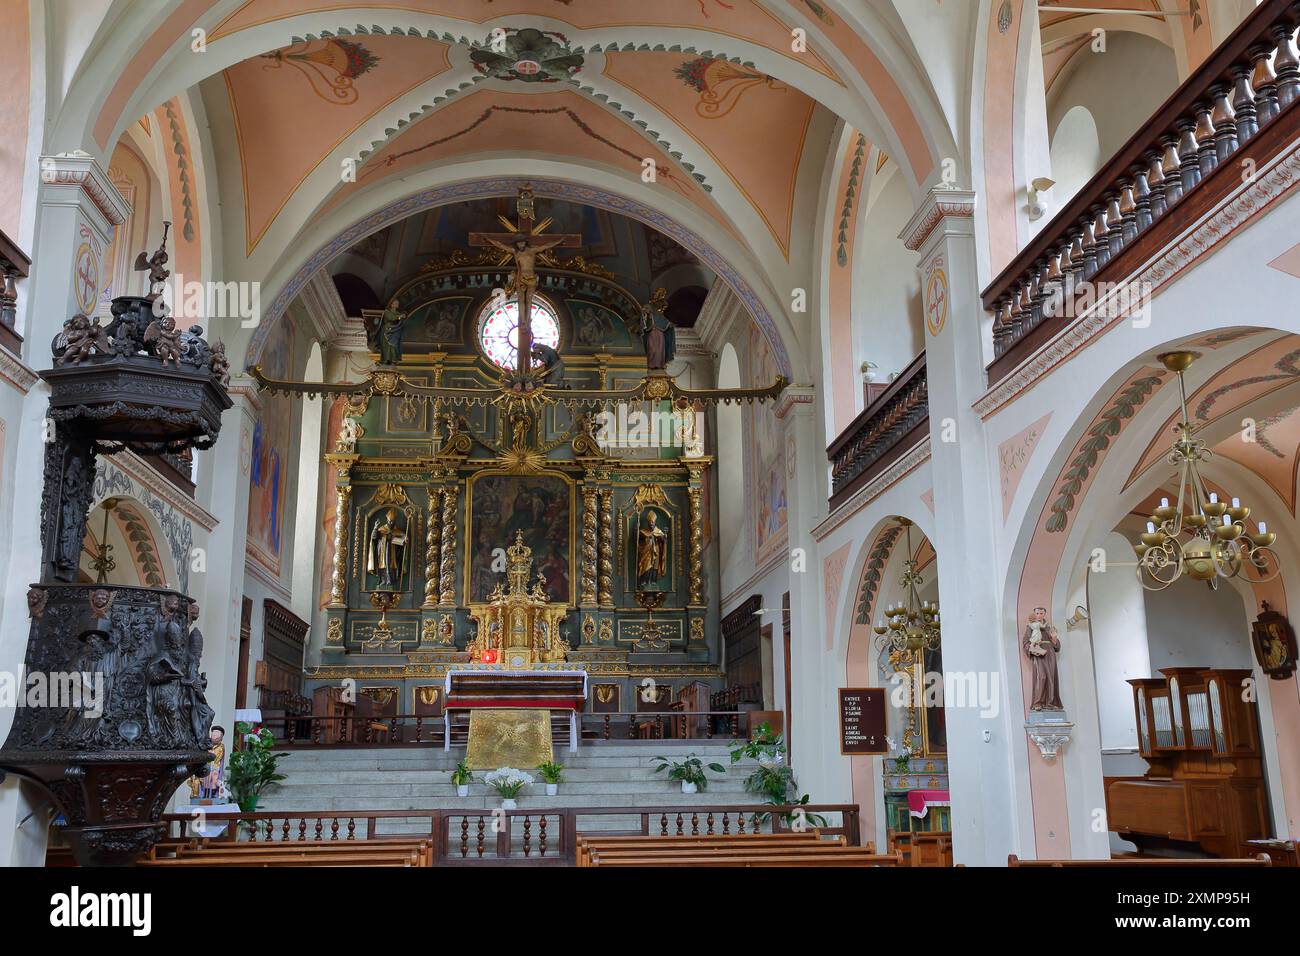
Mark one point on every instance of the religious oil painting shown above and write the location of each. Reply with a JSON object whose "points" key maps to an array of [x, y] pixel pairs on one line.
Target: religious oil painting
{"points": [[766, 488], [270, 457], [540, 506]]}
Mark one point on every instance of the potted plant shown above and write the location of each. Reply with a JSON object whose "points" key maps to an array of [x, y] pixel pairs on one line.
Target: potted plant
{"points": [[689, 771], [462, 778], [252, 767], [507, 782], [553, 774], [772, 778]]}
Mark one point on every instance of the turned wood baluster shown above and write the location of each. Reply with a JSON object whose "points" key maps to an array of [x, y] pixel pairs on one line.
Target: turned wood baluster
{"points": [[726, 824], [393, 736], [289, 727], [1128, 211], [1114, 224], [1264, 81], [631, 727], [528, 835], [659, 728], [302, 829], [479, 840], [1243, 103], [284, 832], [740, 818], [1141, 196], [1087, 247], [605, 721], [663, 824], [695, 823], [1155, 180], [1038, 274], [1053, 289], [352, 828], [1188, 167], [464, 836], [1206, 159], [1171, 165], [320, 826], [315, 732], [541, 836], [1101, 229], [1001, 326], [419, 730], [1224, 121], [334, 828], [709, 821], [1286, 64], [680, 823]]}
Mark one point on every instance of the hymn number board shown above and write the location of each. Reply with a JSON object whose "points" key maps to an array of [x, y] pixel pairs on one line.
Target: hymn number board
{"points": [[862, 721]]}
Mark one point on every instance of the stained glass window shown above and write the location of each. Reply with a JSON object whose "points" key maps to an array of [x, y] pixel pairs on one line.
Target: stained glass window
{"points": [[498, 331]]}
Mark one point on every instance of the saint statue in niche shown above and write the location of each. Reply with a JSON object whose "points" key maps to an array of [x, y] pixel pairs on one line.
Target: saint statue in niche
{"points": [[651, 553], [659, 335], [384, 335], [1041, 646], [387, 547]]}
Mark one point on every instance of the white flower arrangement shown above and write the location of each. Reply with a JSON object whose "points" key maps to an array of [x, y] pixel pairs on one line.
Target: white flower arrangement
{"points": [[507, 781]]}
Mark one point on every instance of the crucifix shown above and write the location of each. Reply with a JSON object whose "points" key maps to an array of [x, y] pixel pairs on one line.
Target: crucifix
{"points": [[524, 243]]}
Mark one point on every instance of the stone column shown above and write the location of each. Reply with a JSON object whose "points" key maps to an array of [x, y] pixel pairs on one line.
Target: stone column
{"points": [[987, 805], [447, 578]]}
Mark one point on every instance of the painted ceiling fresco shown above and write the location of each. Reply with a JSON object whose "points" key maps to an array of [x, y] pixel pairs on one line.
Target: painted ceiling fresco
{"points": [[292, 106], [752, 125], [1258, 374]]}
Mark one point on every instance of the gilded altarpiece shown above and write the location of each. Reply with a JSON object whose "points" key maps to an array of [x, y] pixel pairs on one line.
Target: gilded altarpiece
{"points": [[463, 481]]}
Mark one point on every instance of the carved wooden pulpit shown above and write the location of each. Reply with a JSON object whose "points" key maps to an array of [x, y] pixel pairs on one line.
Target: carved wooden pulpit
{"points": [[518, 627]]}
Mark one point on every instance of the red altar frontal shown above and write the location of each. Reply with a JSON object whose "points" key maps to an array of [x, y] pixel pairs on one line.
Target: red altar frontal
{"points": [[487, 686]]}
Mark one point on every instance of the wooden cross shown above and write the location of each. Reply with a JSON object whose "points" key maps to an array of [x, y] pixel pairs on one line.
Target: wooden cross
{"points": [[523, 243]]}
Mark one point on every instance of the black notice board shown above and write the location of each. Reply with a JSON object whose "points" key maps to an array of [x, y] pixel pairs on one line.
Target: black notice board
{"points": [[862, 721]]}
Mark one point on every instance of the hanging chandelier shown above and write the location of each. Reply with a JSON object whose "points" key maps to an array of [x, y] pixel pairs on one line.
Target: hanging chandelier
{"points": [[1200, 536], [911, 625]]}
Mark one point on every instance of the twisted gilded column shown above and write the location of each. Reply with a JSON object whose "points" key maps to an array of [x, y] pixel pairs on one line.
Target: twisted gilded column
{"points": [[607, 547], [589, 539], [433, 549], [343, 495], [448, 576], [695, 557]]}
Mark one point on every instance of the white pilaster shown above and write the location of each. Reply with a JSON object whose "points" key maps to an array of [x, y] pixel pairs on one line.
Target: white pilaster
{"points": [[985, 800]]}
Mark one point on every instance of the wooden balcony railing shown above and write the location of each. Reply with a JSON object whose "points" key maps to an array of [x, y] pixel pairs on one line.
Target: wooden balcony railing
{"points": [[882, 432], [1239, 105], [14, 265]]}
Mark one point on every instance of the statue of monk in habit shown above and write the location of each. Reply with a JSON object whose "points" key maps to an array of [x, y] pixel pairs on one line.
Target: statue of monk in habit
{"points": [[384, 555], [1041, 646]]}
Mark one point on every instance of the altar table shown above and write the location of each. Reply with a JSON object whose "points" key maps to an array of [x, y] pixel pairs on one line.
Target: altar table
{"points": [[494, 687], [919, 802]]}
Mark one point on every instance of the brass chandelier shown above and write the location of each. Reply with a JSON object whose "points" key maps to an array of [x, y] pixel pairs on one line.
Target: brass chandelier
{"points": [[1199, 536], [911, 625]]}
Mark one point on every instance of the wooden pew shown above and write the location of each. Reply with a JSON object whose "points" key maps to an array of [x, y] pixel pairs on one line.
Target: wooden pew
{"points": [[211, 849], [403, 858], [922, 848], [1144, 861], [586, 844], [845, 856]]}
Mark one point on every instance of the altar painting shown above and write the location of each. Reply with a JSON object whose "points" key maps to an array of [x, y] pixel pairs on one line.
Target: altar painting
{"points": [[270, 457], [540, 506]]}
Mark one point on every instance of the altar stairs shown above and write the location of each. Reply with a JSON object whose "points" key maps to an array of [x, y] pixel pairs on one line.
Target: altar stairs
{"points": [[601, 774]]}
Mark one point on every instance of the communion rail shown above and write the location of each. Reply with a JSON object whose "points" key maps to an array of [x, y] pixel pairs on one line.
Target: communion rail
{"points": [[1240, 104], [882, 432], [417, 730], [516, 837]]}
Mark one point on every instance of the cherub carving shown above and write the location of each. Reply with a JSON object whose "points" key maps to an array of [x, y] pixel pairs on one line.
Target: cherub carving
{"points": [[154, 265], [165, 338], [220, 365], [84, 335]]}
